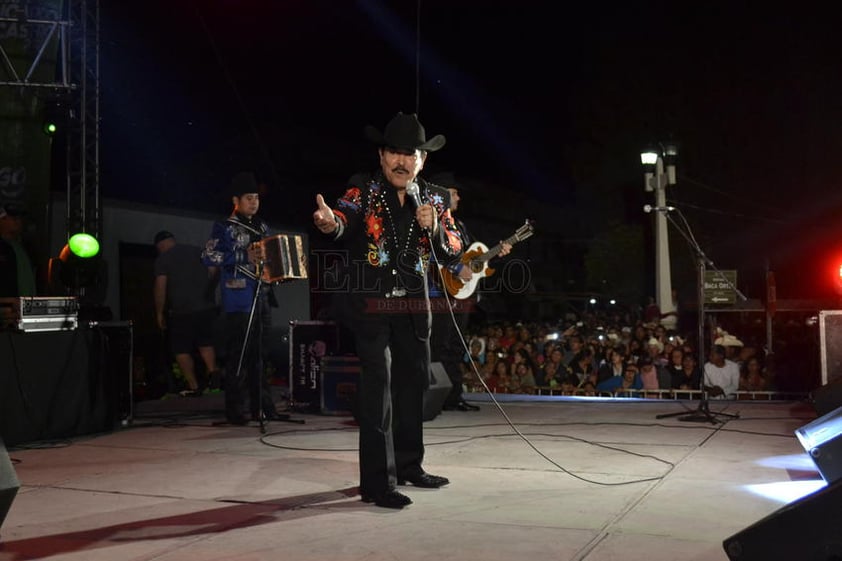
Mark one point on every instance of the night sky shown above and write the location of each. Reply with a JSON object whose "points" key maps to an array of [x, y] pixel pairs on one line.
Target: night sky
{"points": [[550, 101]]}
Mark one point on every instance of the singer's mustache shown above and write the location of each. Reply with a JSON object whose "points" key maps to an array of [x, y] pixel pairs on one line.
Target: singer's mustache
{"points": [[400, 169]]}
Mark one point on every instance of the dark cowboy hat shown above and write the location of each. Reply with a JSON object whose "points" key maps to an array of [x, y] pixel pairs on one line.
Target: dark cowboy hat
{"points": [[405, 133], [162, 235], [244, 182], [445, 179]]}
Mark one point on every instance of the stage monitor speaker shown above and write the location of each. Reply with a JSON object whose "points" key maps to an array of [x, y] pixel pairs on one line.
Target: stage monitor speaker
{"points": [[340, 378], [822, 440], [9, 484], [806, 529], [830, 343], [828, 397], [436, 394], [309, 342]]}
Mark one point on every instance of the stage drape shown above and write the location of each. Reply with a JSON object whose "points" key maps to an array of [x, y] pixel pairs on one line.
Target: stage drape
{"points": [[56, 385]]}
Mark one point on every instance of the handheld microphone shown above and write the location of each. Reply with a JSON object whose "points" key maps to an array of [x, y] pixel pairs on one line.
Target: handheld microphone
{"points": [[414, 192], [649, 208]]}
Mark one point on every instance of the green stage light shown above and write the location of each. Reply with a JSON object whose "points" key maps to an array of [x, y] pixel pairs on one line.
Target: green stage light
{"points": [[50, 128], [83, 245]]}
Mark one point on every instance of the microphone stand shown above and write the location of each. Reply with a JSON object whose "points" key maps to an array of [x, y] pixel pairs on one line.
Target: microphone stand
{"points": [[703, 413], [259, 342], [413, 191]]}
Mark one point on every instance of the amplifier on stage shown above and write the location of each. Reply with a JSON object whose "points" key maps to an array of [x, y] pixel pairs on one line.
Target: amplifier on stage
{"points": [[340, 378], [309, 342], [39, 313]]}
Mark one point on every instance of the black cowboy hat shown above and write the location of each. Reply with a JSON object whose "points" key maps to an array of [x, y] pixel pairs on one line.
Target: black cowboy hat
{"points": [[244, 182], [446, 179], [162, 235], [404, 132]]}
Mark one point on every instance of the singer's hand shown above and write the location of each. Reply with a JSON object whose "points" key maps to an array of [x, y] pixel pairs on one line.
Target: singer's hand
{"points": [[426, 216], [324, 218], [505, 248]]}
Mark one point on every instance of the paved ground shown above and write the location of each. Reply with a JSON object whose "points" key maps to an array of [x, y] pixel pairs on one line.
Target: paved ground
{"points": [[544, 479]]}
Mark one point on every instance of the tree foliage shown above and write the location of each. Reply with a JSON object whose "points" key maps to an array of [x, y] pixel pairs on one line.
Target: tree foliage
{"points": [[615, 263]]}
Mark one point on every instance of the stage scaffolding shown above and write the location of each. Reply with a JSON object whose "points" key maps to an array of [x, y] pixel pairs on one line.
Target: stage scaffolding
{"points": [[72, 95]]}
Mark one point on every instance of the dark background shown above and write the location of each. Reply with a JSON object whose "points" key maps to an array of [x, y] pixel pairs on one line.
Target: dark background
{"points": [[538, 100]]}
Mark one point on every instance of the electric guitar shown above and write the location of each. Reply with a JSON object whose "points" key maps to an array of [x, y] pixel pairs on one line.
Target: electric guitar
{"points": [[476, 257]]}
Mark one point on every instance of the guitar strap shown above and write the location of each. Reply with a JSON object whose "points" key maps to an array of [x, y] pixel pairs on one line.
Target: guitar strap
{"points": [[434, 274], [467, 240], [466, 236], [437, 285]]}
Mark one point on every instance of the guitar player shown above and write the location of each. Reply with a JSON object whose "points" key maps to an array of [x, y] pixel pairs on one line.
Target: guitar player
{"points": [[445, 340]]}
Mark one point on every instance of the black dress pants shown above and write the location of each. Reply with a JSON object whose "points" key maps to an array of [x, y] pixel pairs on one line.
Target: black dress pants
{"points": [[394, 376], [250, 379], [446, 347]]}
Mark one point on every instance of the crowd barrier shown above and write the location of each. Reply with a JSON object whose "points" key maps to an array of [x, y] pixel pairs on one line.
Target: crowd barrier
{"points": [[766, 395]]}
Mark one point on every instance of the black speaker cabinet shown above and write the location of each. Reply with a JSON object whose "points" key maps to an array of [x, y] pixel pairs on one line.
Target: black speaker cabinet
{"points": [[830, 341], [309, 342], [9, 484], [828, 397], [822, 440], [436, 394], [806, 530], [115, 352], [340, 377]]}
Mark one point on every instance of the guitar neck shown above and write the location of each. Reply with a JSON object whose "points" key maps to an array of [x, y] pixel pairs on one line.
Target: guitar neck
{"points": [[497, 248]]}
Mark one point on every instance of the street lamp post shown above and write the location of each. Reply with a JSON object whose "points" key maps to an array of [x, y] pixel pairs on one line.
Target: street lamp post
{"points": [[659, 165]]}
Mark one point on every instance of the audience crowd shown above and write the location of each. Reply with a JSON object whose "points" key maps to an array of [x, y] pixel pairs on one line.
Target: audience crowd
{"points": [[599, 354]]}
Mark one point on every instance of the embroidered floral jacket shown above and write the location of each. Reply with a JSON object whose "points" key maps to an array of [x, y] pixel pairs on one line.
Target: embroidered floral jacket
{"points": [[388, 250]]}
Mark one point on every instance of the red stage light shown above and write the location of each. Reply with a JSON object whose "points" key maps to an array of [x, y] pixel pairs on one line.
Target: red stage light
{"points": [[837, 278]]}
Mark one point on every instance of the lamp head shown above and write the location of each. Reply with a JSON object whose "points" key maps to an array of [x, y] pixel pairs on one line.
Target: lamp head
{"points": [[670, 150], [649, 157], [73, 272], [83, 245]]}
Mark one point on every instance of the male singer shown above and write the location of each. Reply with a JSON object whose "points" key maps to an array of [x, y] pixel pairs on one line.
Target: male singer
{"points": [[391, 222]]}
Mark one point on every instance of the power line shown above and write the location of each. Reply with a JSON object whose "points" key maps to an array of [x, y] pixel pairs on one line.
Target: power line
{"points": [[726, 211], [728, 194], [418, 59]]}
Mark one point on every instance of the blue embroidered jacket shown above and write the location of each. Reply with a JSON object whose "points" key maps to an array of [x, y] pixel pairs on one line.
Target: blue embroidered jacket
{"points": [[227, 249]]}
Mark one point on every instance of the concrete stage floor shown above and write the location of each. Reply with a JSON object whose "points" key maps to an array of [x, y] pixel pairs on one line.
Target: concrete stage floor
{"points": [[569, 479]]}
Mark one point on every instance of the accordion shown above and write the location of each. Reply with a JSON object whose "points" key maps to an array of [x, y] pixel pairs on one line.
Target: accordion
{"points": [[285, 258]]}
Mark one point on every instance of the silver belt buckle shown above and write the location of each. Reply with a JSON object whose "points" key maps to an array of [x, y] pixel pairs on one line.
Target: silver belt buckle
{"points": [[396, 293]]}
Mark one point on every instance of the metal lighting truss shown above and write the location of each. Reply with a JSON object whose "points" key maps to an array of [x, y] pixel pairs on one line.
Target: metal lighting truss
{"points": [[75, 88]]}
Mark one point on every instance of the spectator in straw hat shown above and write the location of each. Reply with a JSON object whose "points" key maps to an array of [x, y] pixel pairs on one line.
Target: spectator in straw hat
{"points": [[655, 351], [732, 345]]}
